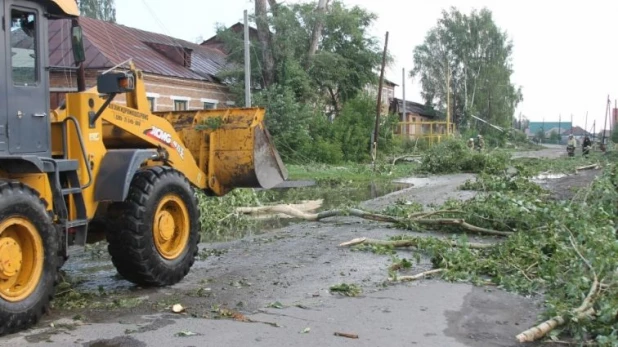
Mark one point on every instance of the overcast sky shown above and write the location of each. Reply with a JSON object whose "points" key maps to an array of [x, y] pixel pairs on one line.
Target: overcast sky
{"points": [[565, 54]]}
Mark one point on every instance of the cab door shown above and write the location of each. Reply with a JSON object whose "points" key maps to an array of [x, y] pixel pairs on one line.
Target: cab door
{"points": [[3, 79], [26, 83]]}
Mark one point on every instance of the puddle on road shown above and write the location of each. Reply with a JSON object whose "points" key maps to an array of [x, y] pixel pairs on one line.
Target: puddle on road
{"points": [[91, 270], [548, 176]]}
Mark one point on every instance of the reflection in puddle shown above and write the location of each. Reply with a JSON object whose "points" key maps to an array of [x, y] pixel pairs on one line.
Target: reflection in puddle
{"points": [[548, 176]]}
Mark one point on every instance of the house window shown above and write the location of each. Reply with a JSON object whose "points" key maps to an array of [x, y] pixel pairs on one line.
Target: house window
{"points": [[151, 103], [180, 105], [24, 53]]}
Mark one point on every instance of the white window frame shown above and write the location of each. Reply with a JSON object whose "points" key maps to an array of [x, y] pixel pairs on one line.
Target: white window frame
{"points": [[211, 101], [230, 103], [154, 97], [180, 98]]}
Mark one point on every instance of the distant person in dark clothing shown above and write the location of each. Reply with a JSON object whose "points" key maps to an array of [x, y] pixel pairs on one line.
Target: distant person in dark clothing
{"points": [[586, 145]]}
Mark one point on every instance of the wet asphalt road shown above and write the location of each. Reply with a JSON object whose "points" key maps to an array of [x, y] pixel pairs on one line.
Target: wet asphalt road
{"points": [[294, 266]]}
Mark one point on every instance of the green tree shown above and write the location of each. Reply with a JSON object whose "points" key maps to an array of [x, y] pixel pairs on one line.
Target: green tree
{"points": [[554, 137], [475, 54], [345, 60], [615, 135], [310, 63], [98, 9]]}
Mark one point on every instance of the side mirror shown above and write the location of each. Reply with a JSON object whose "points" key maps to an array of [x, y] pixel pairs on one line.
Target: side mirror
{"points": [[113, 83], [77, 43]]}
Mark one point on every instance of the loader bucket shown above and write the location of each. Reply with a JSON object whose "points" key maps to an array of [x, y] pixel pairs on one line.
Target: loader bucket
{"points": [[232, 146], [269, 168], [246, 158]]}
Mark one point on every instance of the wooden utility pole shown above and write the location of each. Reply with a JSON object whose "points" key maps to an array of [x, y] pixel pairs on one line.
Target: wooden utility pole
{"points": [[594, 131], [247, 61], [605, 124], [379, 106], [448, 98], [403, 91]]}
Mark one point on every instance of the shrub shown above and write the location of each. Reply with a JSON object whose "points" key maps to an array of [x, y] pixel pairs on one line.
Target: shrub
{"points": [[454, 156]]}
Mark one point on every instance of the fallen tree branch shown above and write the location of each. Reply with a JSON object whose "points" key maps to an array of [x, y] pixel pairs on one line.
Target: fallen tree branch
{"points": [[462, 223], [420, 217], [411, 156], [265, 212], [588, 167], [415, 277], [584, 310], [412, 242], [544, 328]]}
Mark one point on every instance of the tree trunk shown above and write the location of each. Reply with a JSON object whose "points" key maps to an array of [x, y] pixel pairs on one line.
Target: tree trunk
{"points": [[317, 30], [265, 39]]}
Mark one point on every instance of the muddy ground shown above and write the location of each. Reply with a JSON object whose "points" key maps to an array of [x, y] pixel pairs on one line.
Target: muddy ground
{"points": [[280, 282]]}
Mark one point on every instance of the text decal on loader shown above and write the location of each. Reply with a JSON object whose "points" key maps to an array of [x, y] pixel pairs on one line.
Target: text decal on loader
{"points": [[165, 138]]}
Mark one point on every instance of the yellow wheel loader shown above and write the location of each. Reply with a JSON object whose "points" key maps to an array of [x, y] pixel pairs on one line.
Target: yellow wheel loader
{"points": [[135, 170]]}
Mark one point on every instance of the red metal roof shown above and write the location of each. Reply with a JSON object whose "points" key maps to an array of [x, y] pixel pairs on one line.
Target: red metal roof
{"points": [[108, 44]]}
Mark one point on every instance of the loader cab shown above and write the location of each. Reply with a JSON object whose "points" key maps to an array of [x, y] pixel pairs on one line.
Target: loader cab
{"points": [[24, 92], [25, 127]]}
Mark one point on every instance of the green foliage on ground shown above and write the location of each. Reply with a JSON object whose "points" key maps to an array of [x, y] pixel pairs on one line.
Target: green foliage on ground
{"points": [[218, 218], [557, 249], [454, 156]]}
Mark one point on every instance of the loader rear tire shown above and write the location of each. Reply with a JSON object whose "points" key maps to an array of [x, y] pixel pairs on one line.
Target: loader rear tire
{"points": [[157, 229], [29, 260]]}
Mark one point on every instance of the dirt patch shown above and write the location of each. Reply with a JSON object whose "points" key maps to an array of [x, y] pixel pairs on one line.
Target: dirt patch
{"points": [[492, 317], [121, 341]]}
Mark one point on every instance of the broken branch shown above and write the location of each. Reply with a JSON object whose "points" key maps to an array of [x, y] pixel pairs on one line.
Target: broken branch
{"points": [[420, 218], [584, 310], [350, 336], [588, 167], [417, 276], [462, 223], [412, 242]]}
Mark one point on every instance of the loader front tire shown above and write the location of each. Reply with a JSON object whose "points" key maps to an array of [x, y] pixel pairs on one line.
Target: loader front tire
{"points": [[154, 241], [28, 257]]}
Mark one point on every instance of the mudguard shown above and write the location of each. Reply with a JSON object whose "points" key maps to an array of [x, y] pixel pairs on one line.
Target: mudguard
{"points": [[117, 169]]}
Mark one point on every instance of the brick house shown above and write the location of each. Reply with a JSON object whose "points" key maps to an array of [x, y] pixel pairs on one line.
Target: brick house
{"points": [[178, 74]]}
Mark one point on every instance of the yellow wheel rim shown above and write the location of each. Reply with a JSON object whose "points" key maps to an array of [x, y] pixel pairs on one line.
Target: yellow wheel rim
{"points": [[171, 227], [21, 259]]}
